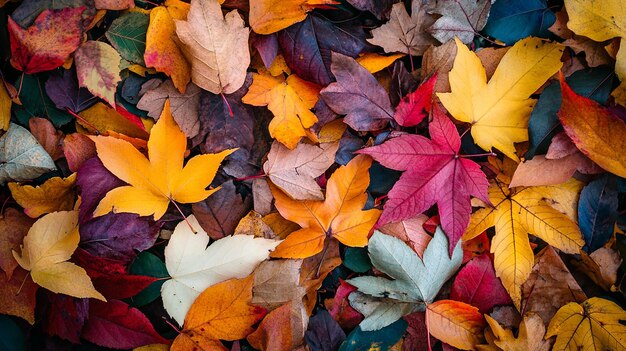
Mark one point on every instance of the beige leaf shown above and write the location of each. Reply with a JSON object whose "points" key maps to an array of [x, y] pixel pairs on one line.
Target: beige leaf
{"points": [[216, 46], [601, 266], [411, 231], [276, 283], [404, 33], [294, 171], [529, 338], [184, 106]]}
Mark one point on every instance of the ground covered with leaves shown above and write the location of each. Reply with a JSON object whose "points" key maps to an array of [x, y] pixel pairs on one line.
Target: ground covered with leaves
{"points": [[314, 175]]}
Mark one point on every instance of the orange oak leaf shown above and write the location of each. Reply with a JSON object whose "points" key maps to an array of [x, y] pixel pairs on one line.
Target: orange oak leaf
{"points": [[46, 44], [160, 178], [339, 216], [221, 312]]}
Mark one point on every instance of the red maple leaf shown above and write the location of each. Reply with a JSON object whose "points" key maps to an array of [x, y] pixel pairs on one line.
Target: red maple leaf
{"points": [[416, 105], [434, 173]]}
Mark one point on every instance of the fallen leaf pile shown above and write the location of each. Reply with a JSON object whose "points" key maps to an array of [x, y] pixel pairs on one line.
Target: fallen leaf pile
{"points": [[312, 175]]}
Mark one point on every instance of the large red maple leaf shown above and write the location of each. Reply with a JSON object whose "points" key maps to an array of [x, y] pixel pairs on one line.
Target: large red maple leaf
{"points": [[434, 173]]}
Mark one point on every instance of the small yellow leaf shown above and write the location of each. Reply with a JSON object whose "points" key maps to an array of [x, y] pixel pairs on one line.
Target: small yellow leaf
{"points": [[55, 194], [5, 108], [270, 16], [50, 242], [375, 62]]}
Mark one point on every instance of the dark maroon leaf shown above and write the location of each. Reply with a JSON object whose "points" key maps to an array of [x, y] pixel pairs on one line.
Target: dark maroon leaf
{"points": [[110, 277], [266, 45], [66, 316], [115, 324], [323, 333], [94, 181], [477, 285], [220, 213], [63, 90], [416, 333], [380, 8], [118, 235], [358, 95], [402, 83], [307, 46]]}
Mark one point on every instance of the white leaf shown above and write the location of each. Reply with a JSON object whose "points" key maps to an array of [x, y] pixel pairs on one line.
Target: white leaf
{"points": [[194, 267]]}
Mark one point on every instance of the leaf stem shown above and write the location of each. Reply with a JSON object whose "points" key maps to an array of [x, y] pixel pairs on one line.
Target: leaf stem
{"points": [[319, 266], [427, 329], [479, 155], [172, 325], [22, 285], [258, 176], [19, 90], [184, 217], [464, 132], [77, 116], [230, 110]]}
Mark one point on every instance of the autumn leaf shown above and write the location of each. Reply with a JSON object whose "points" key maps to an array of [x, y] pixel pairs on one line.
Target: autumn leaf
{"points": [[460, 18], [476, 284], [55, 194], [433, 173], [455, 323], [294, 171], [48, 245], [162, 52], [290, 100], [593, 128], [221, 312], [499, 110], [270, 16], [216, 46], [339, 216], [46, 44], [194, 267], [404, 33], [601, 22], [416, 105], [160, 178], [21, 157], [5, 109], [595, 323], [97, 67], [529, 338], [518, 212]]}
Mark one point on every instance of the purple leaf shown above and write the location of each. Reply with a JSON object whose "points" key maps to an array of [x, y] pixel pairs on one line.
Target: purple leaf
{"points": [[324, 334], [94, 181], [63, 90]]}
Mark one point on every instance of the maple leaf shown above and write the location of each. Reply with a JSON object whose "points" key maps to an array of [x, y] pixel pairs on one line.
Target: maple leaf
{"points": [[529, 338], [55, 194], [216, 46], [477, 284], [602, 21], [48, 245], [460, 18], [499, 110], [518, 212], [416, 105], [455, 323], [403, 33], [221, 312], [290, 100], [294, 171], [593, 324], [46, 44], [593, 128], [194, 267], [162, 52], [270, 16], [98, 69], [339, 216], [161, 178], [433, 173]]}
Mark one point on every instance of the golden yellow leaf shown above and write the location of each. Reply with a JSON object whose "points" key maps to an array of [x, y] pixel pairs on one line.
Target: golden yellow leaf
{"points": [[375, 62], [529, 338], [50, 242], [339, 216], [55, 194], [521, 211], [162, 52], [591, 325], [5, 108], [270, 16], [499, 110], [160, 178], [289, 100], [601, 21], [216, 46], [105, 118]]}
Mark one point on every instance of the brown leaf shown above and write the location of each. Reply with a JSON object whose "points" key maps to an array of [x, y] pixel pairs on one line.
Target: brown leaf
{"points": [[549, 286], [601, 266], [315, 269], [281, 330], [294, 171], [276, 283], [45, 133], [220, 213], [14, 225], [78, 148], [262, 196], [411, 232], [114, 4], [17, 295], [216, 46]]}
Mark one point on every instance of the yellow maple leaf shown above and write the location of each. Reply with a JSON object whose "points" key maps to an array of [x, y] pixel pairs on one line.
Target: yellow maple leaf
{"points": [[521, 211], [55, 194], [162, 52], [50, 242], [156, 181], [529, 338], [601, 21], [290, 100], [270, 16], [499, 110], [339, 216], [593, 325]]}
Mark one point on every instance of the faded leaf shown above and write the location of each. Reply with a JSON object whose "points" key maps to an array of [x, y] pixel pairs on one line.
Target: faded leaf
{"points": [[55, 194], [21, 157], [98, 69]]}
